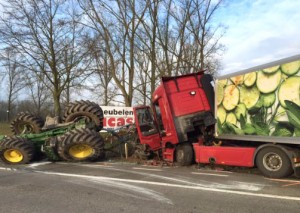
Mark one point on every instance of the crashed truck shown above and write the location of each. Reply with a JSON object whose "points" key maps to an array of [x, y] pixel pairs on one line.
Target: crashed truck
{"points": [[250, 118]]}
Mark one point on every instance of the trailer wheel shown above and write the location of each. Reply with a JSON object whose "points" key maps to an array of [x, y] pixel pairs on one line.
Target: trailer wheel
{"points": [[16, 150], [273, 163], [26, 123], [81, 145], [184, 154], [87, 110]]}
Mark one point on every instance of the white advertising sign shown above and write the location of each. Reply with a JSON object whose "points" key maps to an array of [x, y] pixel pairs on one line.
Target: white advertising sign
{"points": [[115, 117]]}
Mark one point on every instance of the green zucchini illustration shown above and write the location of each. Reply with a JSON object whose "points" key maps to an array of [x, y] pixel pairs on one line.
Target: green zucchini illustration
{"points": [[231, 97], [291, 68], [289, 90], [267, 83]]}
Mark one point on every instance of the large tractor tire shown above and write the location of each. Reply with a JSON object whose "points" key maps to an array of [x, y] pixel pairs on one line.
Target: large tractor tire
{"points": [[87, 110], [26, 123], [81, 145], [274, 163], [16, 150], [184, 154]]}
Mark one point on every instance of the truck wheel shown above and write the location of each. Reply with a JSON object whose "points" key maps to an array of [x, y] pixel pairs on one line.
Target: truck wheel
{"points": [[81, 145], [273, 163], [87, 110], [16, 150], [26, 123], [184, 154]]}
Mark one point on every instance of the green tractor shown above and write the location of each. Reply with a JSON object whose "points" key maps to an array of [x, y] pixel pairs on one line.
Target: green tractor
{"points": [[77, 138]]}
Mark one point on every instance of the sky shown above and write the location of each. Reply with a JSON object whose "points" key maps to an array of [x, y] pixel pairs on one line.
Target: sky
{"points": [[258, 32]]}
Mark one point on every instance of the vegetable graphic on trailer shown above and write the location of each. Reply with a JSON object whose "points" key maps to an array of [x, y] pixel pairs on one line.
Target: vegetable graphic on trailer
{"points": [[264, 102]]}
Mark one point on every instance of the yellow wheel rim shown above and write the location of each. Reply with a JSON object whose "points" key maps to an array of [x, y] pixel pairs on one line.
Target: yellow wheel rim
{"points": [[81, 151], [13, 155]]}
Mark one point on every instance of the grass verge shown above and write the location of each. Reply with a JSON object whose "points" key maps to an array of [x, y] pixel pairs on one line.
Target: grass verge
{"points": [[5, 129]]}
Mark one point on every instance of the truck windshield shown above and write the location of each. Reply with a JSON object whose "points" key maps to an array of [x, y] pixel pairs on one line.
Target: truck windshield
{"points": [[146, 121]]}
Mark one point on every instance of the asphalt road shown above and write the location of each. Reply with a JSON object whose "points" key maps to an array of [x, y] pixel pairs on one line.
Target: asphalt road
{"points": [[128, 187]]}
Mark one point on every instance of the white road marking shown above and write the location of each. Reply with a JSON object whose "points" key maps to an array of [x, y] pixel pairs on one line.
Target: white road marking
{"points": [[209, 174], [207, 184], [100, 178], [8, 169], [127, 190], [280, 180], [33, 165], [96, 166], [138, 168], [165, 167]]}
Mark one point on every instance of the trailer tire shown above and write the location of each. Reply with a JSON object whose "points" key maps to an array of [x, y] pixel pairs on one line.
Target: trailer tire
{"points": [[16, 150], [85, 109], [273, 163], [26, 123], [81, 145], [184, 154]]}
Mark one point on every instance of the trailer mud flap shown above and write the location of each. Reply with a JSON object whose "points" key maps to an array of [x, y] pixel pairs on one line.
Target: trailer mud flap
{"points": [[297, 170]]}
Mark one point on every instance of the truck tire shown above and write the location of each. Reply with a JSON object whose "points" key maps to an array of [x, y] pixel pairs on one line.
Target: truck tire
{"points": [[26, 123], [85, 109], [16, 150], [81, 145], [274, 163], [184, 154]]}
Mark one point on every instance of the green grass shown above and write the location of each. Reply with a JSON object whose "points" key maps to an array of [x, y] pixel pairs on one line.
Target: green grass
{"points": [[5, 129]]}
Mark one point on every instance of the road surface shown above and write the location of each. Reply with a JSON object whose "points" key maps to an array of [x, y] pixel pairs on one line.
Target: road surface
{"points": [[129, 187]]}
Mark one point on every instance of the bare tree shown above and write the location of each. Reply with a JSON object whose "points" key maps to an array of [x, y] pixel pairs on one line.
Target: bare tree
{"points": [[117, 22], [38, 93], [104, 88], [47, 35], [12, 79]]}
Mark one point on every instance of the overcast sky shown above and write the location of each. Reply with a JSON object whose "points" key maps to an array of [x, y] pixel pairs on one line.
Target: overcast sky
{"points": [[259, 31]]}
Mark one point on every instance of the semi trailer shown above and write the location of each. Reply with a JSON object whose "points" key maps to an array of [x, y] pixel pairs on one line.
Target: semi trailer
{"points": [[249, 118]]}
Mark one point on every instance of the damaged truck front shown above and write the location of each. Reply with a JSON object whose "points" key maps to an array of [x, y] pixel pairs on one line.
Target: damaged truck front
{"points": [[248, 118]]}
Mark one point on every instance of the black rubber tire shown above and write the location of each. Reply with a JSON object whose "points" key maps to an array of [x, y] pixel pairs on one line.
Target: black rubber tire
{"points": [[32, 123], [85, 109], [264, 158], [184, 154], [81, 137], [24, 146]]}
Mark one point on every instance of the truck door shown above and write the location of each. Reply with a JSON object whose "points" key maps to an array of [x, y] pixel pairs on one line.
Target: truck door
{"points": [[146, 127]]}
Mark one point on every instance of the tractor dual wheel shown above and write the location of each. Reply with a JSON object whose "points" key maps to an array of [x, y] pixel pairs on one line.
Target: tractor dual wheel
{"points": [[16, 150], [87, 110], [184, 154], [274, 163], [81, 145], [26, 123]]}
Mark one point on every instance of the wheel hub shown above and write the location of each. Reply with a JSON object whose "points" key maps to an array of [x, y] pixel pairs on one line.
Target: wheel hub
{"points": [[180, 155], [13, 155], [81, 151], [272, 161], [25, 128]]}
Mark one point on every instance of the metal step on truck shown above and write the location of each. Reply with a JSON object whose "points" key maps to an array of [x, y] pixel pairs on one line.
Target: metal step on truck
{"points": [[250, 118]]}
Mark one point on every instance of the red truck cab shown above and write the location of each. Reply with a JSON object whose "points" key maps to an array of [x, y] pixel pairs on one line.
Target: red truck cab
{"points": [[181, 112]]}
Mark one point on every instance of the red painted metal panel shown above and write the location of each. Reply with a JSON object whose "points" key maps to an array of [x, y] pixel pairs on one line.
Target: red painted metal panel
{"points": [[231, 156], [185, 94], [184, 103], [168, 154]]}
